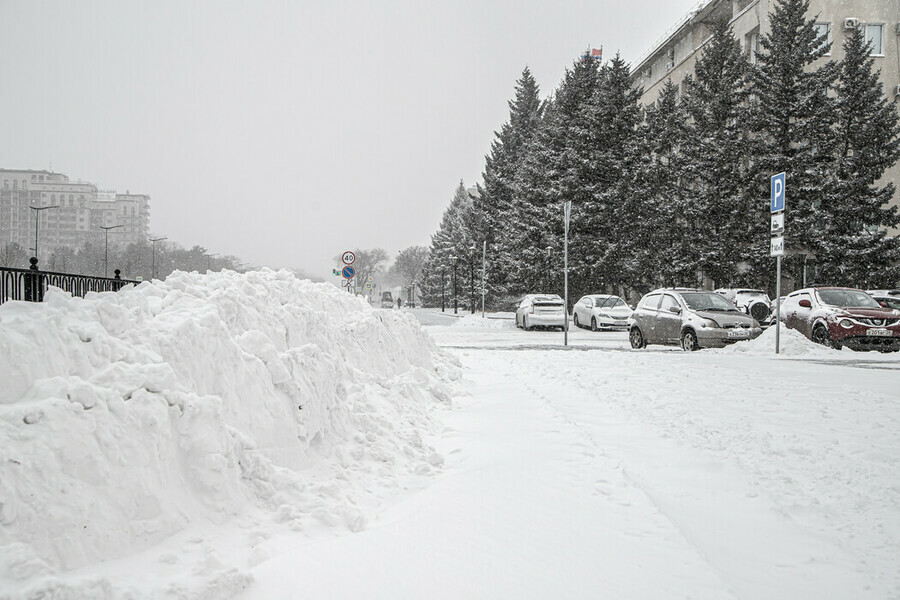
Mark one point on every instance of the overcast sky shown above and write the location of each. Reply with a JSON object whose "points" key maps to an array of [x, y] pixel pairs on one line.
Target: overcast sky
{"points": [[286, 132]]}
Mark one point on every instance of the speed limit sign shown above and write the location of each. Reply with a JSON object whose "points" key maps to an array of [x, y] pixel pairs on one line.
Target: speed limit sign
{"points": [[348, 257]]}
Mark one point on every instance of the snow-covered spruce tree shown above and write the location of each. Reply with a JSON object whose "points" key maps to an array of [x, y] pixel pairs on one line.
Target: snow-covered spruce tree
{"points": [[662, 241], [608, 146], [500, 174], [731, 219], [855, 249], [554, 169], [447, 242], [793, 119]]}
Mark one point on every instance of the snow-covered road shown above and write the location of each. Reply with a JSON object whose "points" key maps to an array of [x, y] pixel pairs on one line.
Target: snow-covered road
{"points": [[603, 472]]}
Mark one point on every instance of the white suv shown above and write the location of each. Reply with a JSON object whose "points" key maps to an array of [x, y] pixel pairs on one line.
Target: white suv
{"points": [[541, 310]]}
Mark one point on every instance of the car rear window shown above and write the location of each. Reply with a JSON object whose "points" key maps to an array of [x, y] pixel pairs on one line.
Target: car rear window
{"points": [[848, 298]]}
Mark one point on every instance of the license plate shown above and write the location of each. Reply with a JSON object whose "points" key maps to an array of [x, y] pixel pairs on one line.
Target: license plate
{"points": [[879, 332], [738, 333]]}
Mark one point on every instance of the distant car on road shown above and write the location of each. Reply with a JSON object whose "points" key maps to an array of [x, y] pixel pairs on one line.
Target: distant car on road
{"points": [[541, 310], [601, 311], [889, 297], [690, 318], [837, 317], [755, 303], [387, 300]]}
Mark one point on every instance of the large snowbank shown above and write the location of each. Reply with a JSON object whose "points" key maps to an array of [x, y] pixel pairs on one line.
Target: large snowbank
{"points": [[792, 343], [128, 417]]}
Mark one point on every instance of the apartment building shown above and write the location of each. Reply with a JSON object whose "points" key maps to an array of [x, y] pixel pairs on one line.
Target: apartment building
{"points": [[81, 211], [673, 57]]}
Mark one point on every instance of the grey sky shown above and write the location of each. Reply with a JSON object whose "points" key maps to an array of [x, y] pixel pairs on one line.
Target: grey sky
{"points": [[285, 132]]}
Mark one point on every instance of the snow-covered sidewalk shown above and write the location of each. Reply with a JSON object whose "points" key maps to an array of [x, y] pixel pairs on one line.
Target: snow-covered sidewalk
{"points": [[639, 475]]}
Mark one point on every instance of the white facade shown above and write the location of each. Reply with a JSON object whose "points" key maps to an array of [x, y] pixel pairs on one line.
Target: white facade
{"points": [[82, 209]]}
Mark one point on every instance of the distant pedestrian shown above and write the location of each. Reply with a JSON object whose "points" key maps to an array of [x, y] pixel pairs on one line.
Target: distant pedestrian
{"points": [[399, 302]]}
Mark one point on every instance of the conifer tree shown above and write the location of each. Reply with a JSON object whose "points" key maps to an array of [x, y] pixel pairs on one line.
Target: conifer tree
{"points": [[856, 249], [731, 221], [449, 241], [496, 196], [794, 119]]}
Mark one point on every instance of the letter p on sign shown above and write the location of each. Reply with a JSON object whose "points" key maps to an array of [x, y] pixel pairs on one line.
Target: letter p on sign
{"points": [[777, 197]]}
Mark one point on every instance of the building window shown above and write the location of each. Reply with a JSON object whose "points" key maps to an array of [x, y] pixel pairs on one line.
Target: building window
{"points": [[824, 29], [875, 37], [753, 46]]}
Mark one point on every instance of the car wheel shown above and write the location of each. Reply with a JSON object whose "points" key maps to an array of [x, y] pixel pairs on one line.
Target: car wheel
{"points": [[689, 341], [575, 320], [593, 324], [636, 338], [820, 336]]}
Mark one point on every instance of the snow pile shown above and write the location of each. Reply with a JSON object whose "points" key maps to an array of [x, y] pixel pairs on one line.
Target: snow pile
{"points": [[479, 322], [792, 343], [126, 418]]}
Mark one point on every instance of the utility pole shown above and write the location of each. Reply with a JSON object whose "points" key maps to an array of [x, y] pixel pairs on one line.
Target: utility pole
{"points": [[106, 229], [153, 243]]}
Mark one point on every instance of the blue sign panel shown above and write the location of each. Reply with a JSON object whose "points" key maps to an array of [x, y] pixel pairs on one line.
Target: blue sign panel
{"points": [[777, 196], [348, 272]]}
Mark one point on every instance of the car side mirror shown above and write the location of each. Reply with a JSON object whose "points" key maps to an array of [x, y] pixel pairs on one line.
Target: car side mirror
{"points": [[805, 303], [675, 309]]}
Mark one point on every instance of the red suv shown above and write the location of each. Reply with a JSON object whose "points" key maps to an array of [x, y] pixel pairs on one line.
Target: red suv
{"points": [[842, 317]]}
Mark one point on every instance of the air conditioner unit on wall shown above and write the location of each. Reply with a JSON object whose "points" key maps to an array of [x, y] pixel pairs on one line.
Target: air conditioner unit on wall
{"points": [[850, 23]]}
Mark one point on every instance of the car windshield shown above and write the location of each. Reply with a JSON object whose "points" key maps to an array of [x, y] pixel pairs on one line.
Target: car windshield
{"points": [[847, 298], [707, 301], [614, 302]]}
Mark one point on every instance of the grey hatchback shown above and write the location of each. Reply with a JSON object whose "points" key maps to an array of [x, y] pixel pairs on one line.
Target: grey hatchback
{"points": [[691, 318]]}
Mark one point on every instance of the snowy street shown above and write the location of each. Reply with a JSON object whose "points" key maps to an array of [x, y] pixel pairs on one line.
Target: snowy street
{"points": [[613, 473]]}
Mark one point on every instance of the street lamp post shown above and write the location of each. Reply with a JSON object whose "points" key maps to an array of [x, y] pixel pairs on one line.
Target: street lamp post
{"points": [[483, 268], [443, 293], [37, 213], [567, 214], [153, 243], [549, 249], [455, 300], [472, 251], [400, 271], [106, 229]]}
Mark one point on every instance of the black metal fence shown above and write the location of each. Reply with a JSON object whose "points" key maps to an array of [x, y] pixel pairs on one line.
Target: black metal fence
{"points": [[30, 284]]}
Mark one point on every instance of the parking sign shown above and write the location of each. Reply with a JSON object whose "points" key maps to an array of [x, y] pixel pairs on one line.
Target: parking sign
{"points": [[777, 193]]}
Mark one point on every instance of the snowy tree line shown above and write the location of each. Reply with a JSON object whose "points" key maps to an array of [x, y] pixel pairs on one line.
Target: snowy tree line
{"points": [[134, 260], [677, 193]]}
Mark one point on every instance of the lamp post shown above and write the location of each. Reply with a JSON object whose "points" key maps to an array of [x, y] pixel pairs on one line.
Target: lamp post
{"points": [[400, 271], [472, 251], [483, 269], [455, 300], [106, 229], [153, 243], [549, 249], [567, 214], [37, 213], [443, 294]]}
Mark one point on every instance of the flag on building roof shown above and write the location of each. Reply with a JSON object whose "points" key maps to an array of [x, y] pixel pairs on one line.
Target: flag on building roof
{"points": [[597, 53]]}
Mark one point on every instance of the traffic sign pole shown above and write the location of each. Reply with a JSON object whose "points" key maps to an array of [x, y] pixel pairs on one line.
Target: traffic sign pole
{"points": [[776, 245]]}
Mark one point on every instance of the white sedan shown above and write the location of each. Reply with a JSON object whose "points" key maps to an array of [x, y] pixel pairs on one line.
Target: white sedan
{"points": [[602, 311], [541, 310]]}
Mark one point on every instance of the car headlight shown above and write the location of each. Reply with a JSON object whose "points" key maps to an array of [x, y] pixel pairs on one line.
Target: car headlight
{"points": [[846, 323], [708, 323]]}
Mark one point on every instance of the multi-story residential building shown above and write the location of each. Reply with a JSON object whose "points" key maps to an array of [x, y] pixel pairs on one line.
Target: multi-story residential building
{"points": [[673, 57], [82, 210]]}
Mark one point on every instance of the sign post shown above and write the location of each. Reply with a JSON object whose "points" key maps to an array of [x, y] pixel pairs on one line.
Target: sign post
{"points": [[567, 213], [776, 245]]}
